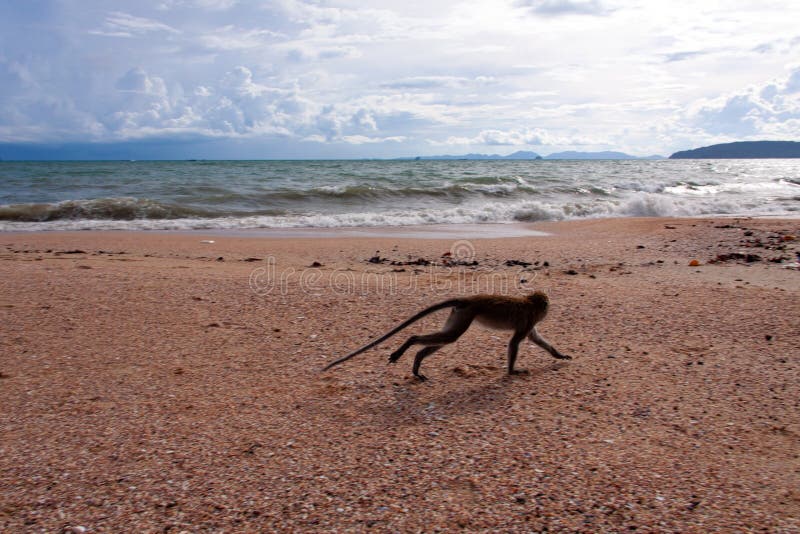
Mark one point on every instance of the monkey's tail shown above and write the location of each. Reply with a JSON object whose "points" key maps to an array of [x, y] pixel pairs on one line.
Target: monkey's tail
{"points": [[436, 307]]}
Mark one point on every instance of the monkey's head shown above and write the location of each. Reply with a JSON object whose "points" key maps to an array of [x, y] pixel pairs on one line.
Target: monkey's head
{"points": [[540, 298]]}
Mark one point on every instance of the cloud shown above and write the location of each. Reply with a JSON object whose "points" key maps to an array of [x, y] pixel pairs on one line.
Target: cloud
{"points": [[136, 80], [772, 108], [564, 7], [231, 38], [211, 5], [682, 56], [398, 77], [236, 105], [438, 82], [120, 24], [517, 137]]}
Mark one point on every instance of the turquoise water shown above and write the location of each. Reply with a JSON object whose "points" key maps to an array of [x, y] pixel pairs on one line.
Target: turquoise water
{"points": [[294, 194]]}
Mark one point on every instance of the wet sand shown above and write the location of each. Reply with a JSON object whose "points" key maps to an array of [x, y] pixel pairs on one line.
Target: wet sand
{"points": [[161, 382]]}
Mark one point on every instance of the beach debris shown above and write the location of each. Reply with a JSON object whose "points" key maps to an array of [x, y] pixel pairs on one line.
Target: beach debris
{"points": [[571, 272], [788, 237], [515, 263], [207, 241], [377, 258], [76, 251], [315, 264], [250, 259], [252, 448], [694, 263], [418, 261], [669, 227], [734, 256], [448, 260]]}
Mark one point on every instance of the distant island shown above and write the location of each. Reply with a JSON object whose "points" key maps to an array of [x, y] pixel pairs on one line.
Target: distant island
{"points": [[521, 154], [527, 155], [743, 150]]}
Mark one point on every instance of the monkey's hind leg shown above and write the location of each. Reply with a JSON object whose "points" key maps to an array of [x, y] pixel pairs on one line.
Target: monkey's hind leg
{"points": [[457, 323], [513, 349], [421, 355]]}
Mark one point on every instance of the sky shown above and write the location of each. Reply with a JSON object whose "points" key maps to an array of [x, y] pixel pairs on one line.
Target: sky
{"points": [[335, 79]]}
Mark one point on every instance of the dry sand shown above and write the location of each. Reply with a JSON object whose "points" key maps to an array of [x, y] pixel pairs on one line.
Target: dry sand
{"points": [[153, 382]]}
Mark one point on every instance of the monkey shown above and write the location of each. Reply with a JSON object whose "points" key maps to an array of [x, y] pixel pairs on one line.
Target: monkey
{"points": [[519, 314]]}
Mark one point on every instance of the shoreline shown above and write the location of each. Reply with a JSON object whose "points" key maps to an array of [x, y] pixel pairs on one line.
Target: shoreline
{"points": [[432, 231], [150, 381]]}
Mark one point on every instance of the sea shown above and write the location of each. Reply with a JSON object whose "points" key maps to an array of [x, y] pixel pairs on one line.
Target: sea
{"points": [[246, 195]]}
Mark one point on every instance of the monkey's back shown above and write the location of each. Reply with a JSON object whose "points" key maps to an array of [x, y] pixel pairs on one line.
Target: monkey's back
{"points": [[508, 313]]}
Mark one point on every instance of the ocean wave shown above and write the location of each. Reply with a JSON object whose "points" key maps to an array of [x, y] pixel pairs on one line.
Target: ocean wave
{"points": [[122, 209], [638, 205], [775, 187], [235, 195], [462, 190]]}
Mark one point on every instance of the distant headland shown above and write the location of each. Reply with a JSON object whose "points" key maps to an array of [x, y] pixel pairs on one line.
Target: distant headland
{"points": [[743, 150]]}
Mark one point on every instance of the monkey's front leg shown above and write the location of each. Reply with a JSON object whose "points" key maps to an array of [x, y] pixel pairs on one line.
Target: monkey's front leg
{"points": [[542, 342]]}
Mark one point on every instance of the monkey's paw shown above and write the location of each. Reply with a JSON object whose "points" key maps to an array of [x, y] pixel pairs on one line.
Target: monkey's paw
{"points": [[562, 356]]}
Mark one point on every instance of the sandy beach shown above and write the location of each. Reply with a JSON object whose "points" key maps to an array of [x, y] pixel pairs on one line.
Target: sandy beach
{"points": [[171, 382]]}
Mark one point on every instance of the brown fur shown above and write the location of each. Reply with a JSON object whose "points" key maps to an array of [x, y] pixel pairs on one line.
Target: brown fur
{"points": [[519, 314]]}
